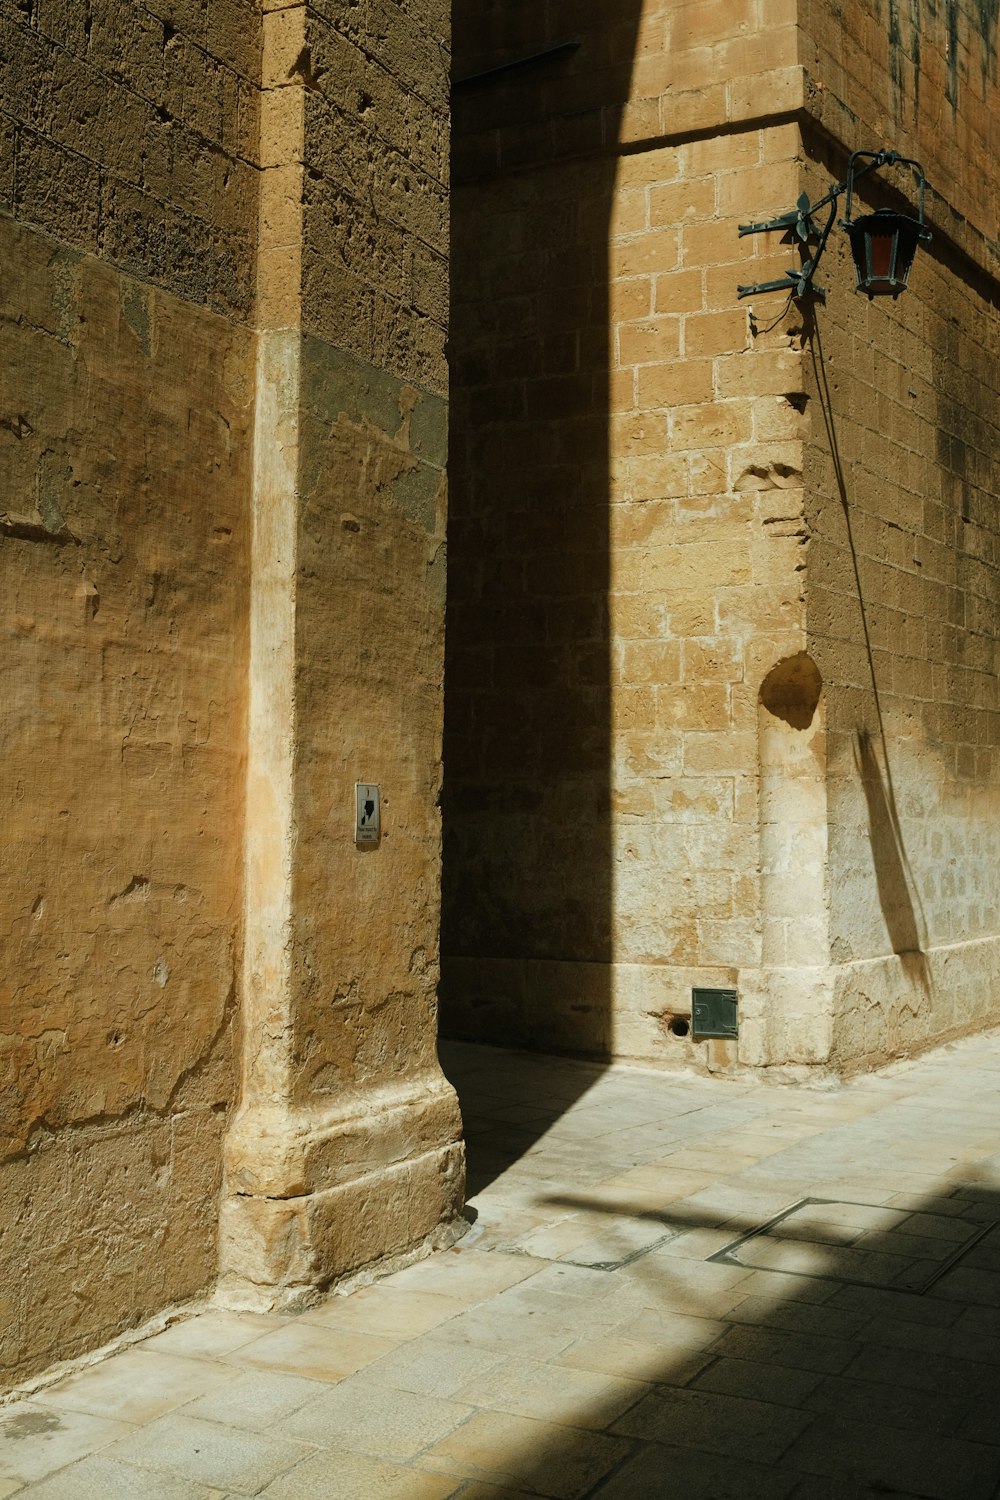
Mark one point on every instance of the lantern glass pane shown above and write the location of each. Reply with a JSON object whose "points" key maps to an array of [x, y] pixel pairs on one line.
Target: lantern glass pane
{"points": [[880, 253]]}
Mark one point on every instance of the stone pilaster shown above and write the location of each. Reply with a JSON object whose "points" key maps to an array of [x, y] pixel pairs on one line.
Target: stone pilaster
{"points": [[347, 1145]]}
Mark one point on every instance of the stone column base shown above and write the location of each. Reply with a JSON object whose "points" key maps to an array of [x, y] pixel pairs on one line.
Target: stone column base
{"points": [[313, 1196]]}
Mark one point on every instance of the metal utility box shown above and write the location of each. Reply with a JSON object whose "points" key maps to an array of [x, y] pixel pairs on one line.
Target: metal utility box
{"points": [[713, 1014]]}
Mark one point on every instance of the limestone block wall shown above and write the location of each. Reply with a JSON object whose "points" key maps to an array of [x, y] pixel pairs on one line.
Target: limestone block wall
{"points": [[904, 589], [627, 536], [925, 74], [130, 132], [127, 218], [668, 760]]}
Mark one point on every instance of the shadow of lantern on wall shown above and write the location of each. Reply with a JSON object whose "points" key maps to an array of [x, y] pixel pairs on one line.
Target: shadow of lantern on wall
{"points": [[883, 243]]}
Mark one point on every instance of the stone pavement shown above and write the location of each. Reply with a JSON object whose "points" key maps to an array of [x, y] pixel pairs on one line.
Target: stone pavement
{"points": [[607, 1328]]}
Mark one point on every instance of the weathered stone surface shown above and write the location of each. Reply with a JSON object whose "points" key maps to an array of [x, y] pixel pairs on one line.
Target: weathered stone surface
{"points": [[135, 137], [123, 444], [345, 1149], [723, 681], [195, 514]]}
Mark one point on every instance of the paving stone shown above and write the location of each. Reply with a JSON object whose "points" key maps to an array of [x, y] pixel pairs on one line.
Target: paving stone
{"points": [[823, 1318], [744, 1205], [695, 1245], [976, 1320], [620, 1303], [663, 1473], [668, 1185], [255, 1399], [37, 1439], [893, 1405], [467, 1276], [803, 1351], [101, 1478], [531, 1301], [822, 1487], [985, 1255], [317, 1353], [361, 1416], [719, 1424], [962, 1341], [434, 1365], [975, 1205], [889, 1459], [889, 1366], [554, 1241], [534, 1338], [209, 1454], [137, 1385], [678, 1336], [932, 1223], [613, 1353], [348, 1476], [475, 1490], [708, 1291], [787, 1288], [907, 1307], [573, 1281], [616, 1243], [981, 1425], [499, 1226], [844, 1222], [541, 1457], [970, 1284], [394, 1312], [211, 1334], [778, 1384], [820, 1258], [573, 1397], [482, 1372]]}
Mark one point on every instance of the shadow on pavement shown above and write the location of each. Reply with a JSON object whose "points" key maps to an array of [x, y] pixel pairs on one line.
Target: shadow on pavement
{"points": [[851, 1350]]}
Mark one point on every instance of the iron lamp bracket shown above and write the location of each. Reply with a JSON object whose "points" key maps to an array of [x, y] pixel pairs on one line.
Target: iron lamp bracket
{"points": [[801, 225]]}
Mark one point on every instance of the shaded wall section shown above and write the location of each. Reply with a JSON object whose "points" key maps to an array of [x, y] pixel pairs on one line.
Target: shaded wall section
{"points": [[127, 219], [527, 802], [904, 595], [627, 540]]}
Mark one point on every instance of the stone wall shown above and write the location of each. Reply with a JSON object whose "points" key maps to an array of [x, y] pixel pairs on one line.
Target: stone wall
{"points": [[130, 132], [222, 436], [347, 1144], [665, 765], [125, 426], [626, 527], [904, 597]]}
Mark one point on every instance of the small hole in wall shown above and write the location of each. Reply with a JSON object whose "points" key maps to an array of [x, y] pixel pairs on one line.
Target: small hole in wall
{"points": [[678, 1026]]}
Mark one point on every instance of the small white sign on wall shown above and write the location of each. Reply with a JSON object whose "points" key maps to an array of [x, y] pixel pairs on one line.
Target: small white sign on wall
{"points": [[368, 813]]}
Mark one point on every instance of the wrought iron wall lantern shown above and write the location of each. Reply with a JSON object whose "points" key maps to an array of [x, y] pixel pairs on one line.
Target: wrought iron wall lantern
{"points": [[883, 243]]}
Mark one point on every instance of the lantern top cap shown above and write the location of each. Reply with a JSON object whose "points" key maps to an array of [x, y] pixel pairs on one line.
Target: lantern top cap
{"points": [[884, 158]]}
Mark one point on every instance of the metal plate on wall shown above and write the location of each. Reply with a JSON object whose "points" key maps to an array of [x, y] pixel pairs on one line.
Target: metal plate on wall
{"points": [[713, 1014]]}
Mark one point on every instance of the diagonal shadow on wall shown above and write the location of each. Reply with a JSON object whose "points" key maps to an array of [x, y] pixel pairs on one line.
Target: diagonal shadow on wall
{"points": [[895, 882]]}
